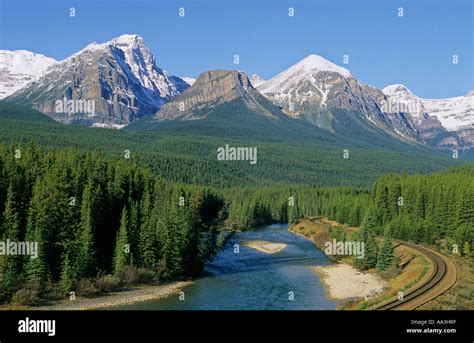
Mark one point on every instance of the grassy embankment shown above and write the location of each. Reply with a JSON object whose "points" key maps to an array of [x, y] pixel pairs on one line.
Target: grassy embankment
{"points": [[461, 296]]}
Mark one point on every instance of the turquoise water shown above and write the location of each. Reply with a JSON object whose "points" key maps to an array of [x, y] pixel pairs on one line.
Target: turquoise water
{"points": [[252, 280]]}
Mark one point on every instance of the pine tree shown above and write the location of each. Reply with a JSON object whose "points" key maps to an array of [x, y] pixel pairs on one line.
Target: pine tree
{"points": [[36, 269], [386, 255], [85, 238], [370, 245], [293, 214], [148, 245], [57, 226], [133, 230], [121, 257], [66, 276], [11, 266]]}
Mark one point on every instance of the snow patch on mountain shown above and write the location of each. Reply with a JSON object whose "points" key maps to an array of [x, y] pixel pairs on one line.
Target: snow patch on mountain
{"points": [[19, 67], [454, 114], [189, 80], [256, 80]]}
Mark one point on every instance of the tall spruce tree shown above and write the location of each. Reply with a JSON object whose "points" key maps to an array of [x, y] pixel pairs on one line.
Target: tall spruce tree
{"points": [[67, 275], [10, 272], [370, 245], [122, 254], [386, 255], [36, 269], [85, 236], [147, 244], [293, 213]]}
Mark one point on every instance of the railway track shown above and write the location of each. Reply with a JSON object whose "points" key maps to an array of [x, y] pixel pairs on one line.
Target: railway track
{"points": [[441, 279], [436, 284]]}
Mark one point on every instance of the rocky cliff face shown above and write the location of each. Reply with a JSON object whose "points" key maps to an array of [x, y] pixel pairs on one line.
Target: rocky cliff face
{"points": [[118, 80], [211, 89]]}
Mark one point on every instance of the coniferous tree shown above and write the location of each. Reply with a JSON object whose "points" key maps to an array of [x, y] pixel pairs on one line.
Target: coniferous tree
{"points": [[148, 245], [134, 230], [67, 275], [293, 214], [121, 256], [36, 269], [85, 240], [386, 255], [11, 265], [370, 245]]}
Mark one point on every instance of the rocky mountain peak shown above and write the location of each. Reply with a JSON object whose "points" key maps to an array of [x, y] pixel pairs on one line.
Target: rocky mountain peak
{"points": [[128, 39], [314, 86], [313, 63], [120, 76], [220, 82], [396, 89], [211, 89]]}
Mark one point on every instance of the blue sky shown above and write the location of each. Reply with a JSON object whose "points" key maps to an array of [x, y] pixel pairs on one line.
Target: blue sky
{"points": [[415, 50]]}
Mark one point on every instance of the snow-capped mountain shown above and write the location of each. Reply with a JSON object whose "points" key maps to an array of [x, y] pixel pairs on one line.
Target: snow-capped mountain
{"points": [[441, 122], [19, 67], [315, 82], [118, 80], [455, 114], [307, 68], [312, 88], [256, 80], [402, 100]]}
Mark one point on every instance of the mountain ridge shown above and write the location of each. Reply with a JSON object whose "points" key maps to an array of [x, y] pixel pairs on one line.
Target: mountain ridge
{"points": [[123, 80]]}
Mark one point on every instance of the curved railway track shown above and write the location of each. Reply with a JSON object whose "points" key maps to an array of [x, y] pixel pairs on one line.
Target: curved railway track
{"points": [[442, 278], [437, 283]]}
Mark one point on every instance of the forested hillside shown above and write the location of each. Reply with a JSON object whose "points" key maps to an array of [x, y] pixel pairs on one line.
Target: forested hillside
{"points": [[187, 152], [93, 214], [433, 209]]}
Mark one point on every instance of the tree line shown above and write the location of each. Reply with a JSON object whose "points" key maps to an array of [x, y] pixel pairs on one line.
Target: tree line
{"points": [[435, 209]]}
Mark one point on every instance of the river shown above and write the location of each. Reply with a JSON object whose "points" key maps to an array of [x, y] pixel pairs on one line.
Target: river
{"points": [[253, 280]]}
